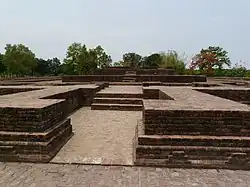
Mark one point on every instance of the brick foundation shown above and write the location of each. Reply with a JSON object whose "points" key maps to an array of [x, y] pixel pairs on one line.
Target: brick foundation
{"points": [[193, 130], [36, 134], [137, 78], [239, 95]]}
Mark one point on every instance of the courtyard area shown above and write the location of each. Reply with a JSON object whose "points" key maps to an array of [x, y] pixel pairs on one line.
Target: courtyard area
{"points": [[124, 134], [66, 175], [100, 137]]}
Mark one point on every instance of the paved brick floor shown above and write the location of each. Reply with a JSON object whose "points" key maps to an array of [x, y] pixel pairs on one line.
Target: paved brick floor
{"points": [[101, 137], [53, 175]]}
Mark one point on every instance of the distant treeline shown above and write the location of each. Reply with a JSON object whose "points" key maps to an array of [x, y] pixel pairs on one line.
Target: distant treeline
{"points": [[19, 60]]}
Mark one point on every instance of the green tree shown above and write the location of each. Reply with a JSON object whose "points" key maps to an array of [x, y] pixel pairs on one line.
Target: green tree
{"points": [[71, 60], [87, 61], [103, 60], [132, 60], [2, 66], [152, 61], [172, 59], [19, 59], [42, 67], [81, 60], [54, 65], [118, 64], [212, 57], [48, 67]]}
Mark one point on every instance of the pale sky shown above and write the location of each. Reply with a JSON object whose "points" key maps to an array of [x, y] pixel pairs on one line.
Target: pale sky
{"points": [[142, 26]]}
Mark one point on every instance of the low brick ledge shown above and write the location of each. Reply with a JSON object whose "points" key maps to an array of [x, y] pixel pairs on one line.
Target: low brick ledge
{"points": [[176, 140], [34, 136], [198, 164], [138, 78], [42, 152]]}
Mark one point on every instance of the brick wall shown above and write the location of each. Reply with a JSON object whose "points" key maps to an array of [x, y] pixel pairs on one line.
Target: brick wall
{"points": [[138, 78], [153, 93], [5, 91], [37, 134], [239, 95], [223, 123], [122, 71]]}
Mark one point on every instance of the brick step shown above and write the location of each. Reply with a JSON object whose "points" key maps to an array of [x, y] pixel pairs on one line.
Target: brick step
{"points": [[7, 149], [34, 136], [118, 100], [16, 125], [35, 156], [201, 122], [195, 114], [119, 95], [146, 84], [176, 140], [189, 152], [26, 147], [128, 76], [133, 72], [245, 102], [128, 81], [199, 164], [220, 131], [25, 158], [121, 107]]}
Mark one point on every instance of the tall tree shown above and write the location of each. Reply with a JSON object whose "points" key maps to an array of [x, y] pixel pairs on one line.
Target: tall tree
{"points": [[86, 61], [81, 60], [172, 59], [48, 67], [42, 67], [212, 57], [2, 66], [54, 65], [152, 61], [73, 52], [103, 60], [132, 60], [19, 59]]}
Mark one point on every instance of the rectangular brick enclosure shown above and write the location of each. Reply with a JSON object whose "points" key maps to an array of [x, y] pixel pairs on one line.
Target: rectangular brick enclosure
{"points": [[33, 120], [182, 121], [190, 128]]}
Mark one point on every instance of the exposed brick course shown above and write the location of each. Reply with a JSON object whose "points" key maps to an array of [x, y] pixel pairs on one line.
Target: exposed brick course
{"points": [[122, 71], [137, 78], [35, 126], [193, 129], [235, 94]]}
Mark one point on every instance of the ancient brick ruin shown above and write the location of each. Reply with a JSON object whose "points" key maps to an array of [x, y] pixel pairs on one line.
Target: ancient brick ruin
{"points": [[34, 124], [186, 121], [193, 129]]}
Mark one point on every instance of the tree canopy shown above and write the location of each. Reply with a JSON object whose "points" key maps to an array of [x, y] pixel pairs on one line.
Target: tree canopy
{"points": [[81, 60], [172, 59], [212, 57], [20, 60], [132, 60]]}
